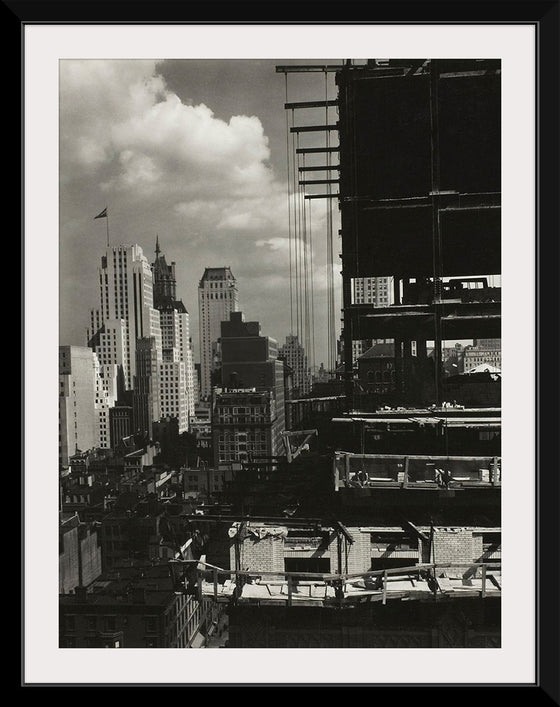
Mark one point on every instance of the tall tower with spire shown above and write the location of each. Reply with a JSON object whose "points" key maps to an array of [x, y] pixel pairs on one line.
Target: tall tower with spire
{"points": [[126, 310], [177, 385], [165, 283]]}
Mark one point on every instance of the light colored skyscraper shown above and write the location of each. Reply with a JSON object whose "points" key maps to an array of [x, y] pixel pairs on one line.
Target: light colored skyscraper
{"points": [[126, 309], [370, 290], [293, 353], [217, 297], [177, 379], [86, 392]]}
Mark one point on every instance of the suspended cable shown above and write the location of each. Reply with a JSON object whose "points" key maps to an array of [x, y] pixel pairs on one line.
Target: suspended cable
{"points": [[290, 244], [296, 231], [306, 342], [330, 261], [301, 244], [312, 352]]}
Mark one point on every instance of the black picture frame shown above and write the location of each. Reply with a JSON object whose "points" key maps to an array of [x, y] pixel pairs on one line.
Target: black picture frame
{"points": [[16, 15]]}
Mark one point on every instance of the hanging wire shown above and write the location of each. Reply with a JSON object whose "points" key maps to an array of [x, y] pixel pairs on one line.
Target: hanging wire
{"points": [[311, 353], [330, 261], [290, 243], [302, 258], [296, 230]]}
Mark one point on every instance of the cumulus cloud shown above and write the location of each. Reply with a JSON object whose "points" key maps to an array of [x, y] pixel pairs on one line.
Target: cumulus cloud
{"points": [[94, 95], [122, 116], [166, 164]]}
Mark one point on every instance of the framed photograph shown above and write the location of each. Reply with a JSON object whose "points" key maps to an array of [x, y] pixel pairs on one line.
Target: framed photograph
{"points": [[286, 285]]}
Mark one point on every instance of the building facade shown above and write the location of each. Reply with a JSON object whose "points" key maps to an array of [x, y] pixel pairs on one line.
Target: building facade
{"points": [[249, 361], [177, 354], [87, 391], [217, 297], [245, 424], [483, 351], [132, 608], [126, 309], [375, 291], [146, 398], [79, 553], [293, 353]]}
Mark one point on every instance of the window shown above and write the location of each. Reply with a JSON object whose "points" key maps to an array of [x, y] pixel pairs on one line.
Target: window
{"points": [[151, 624], [70, 622], [110, 623]]}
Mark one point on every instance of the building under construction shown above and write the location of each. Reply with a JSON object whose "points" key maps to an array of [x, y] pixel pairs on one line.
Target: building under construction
{"points": [[381, 526]]}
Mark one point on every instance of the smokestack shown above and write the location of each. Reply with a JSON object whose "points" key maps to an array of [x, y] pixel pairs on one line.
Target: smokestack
{"points": [[81, 593]]}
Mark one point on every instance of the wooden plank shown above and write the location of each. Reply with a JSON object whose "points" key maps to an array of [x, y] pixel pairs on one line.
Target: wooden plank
{"points": [[445, 584], [385, 587], [418, 532]]}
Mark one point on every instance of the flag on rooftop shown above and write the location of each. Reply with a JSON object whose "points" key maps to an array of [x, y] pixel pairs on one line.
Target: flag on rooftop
{"points": [[103, 214]]}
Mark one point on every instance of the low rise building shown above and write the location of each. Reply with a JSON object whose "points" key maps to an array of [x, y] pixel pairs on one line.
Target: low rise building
{"points": [[134, 606], [244, 424], [79, 553]]}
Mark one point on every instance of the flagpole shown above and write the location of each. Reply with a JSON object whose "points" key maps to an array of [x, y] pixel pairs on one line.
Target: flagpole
{"points": [[107, 227]]}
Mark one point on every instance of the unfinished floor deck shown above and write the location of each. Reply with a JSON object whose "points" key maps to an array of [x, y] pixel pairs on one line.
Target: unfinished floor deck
{"points": [[354, 591]]}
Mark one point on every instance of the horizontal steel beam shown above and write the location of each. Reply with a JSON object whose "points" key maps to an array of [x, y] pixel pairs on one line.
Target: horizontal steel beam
{"points": [[322, 168], [304, 182], [312, 128], [305, 68], [321, 196], [315, 150], [310, 104]]}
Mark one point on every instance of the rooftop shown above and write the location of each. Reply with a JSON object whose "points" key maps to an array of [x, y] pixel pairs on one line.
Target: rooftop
{"points": [[419, 582]]}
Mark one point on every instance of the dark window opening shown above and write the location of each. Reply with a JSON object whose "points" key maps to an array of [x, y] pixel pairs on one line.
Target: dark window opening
{"points": [[389, 563], [315, 565]]}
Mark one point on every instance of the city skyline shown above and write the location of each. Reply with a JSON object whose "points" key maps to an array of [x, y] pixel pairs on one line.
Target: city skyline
{"points": [[192, 152]]}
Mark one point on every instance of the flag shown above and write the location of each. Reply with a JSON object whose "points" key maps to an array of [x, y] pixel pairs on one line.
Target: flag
{"points": [[103, 214]]}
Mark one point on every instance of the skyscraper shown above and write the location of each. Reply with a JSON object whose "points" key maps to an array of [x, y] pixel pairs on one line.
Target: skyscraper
{"points": [[248, 414], [294, 355], [126, 309], [146, 396], [84, 401], [370, 290], [177, 379], [217, 297]]}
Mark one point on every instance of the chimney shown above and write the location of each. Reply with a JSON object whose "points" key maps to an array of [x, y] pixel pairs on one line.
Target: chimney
{"points": [[81, 594]]}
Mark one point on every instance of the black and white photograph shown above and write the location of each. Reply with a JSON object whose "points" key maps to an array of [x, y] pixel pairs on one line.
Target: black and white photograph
{"points": [[279, 346], [246, 460]]}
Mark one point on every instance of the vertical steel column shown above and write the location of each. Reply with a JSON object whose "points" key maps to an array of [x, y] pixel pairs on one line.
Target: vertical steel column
{"points": [[436, 226]]}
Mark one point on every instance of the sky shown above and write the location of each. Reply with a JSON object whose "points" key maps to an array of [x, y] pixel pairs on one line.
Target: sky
{"points": [[193, 151]]}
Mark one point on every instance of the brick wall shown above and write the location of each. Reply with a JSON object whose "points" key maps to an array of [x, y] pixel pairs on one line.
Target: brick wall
{"points": [[359, 553], [457, 545], [262, 555]]}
